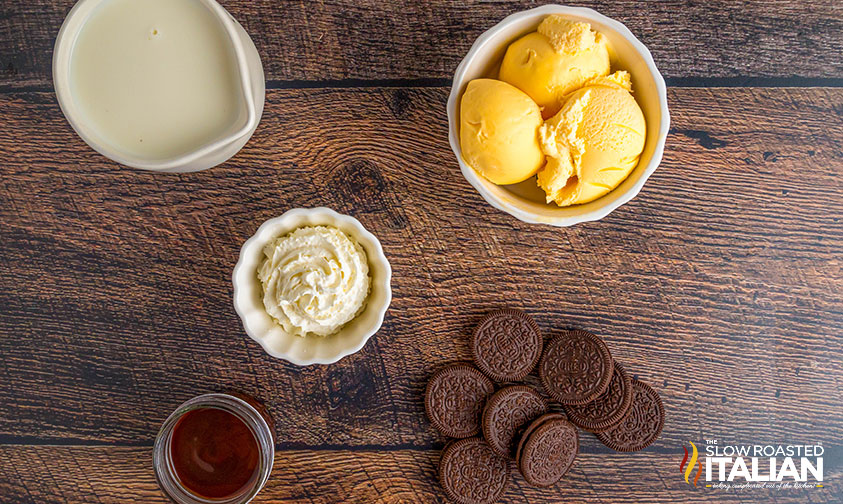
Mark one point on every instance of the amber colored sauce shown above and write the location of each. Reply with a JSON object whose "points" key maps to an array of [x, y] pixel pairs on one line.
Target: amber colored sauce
{"points": [[214, 453]]}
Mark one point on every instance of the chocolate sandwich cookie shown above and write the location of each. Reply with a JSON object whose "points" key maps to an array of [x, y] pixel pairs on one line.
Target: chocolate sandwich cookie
{"points": [[507, 345], [607, 410], [507, 413], [642, 426], [454, 399], [472, 473], [547, 450], [576, 367], [532, 427]]}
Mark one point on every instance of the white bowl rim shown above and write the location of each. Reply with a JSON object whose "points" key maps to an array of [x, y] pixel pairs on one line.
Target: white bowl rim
{"points": [[68, 108], [378, 257], [562, 221]]}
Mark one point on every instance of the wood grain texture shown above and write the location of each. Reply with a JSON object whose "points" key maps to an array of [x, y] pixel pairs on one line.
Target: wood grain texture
{"points": [[418, 39], [720, 284], [117, 475]]}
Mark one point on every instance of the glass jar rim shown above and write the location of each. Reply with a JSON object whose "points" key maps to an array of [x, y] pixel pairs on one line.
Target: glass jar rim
{"points": [[166, 476]]}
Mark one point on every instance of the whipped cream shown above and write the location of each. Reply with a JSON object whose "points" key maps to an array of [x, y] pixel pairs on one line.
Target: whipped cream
{"points": [[315, 280]]}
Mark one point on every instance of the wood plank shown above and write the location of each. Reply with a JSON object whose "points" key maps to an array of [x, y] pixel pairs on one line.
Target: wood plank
{"points": [[48, 474], [418, 39], [720, 284]]}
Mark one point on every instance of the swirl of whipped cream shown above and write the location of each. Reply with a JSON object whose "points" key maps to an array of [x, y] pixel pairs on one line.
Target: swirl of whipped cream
{"points": [[315, 280]]}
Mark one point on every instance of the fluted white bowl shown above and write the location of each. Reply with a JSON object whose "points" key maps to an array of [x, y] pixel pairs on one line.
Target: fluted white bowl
{"points": [[526, 201], [304, 351]]}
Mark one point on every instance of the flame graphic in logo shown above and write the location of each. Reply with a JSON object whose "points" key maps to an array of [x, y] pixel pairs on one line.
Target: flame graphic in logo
{"points": [[694, 461]]}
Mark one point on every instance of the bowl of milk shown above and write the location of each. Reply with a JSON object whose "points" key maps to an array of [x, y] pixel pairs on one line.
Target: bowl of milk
{"points": [[160, 85]]}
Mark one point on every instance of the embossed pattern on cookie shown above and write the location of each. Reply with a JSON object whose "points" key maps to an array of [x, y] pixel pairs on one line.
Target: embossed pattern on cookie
{"points": [[506, 345], [548, 452], [576, 367], [607, 410], [507, 413], [642, 426], [472, 473], [454, 399]]}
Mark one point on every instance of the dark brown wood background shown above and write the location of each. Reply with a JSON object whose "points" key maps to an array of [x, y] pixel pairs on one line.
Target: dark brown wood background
{"points": [[720, 284]]}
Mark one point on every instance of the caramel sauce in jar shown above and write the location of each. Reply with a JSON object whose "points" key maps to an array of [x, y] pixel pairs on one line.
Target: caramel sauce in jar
{"points": [[214, 453], [216, 447]]}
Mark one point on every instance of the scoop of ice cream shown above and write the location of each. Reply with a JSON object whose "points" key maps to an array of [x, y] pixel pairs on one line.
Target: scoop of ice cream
{"points": [[558, 58], [593, 143], [499, 131]]}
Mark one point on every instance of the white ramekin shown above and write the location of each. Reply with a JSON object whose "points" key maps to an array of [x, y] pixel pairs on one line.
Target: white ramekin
{"points": [[304, 351], [526, 201], [251, 82]]}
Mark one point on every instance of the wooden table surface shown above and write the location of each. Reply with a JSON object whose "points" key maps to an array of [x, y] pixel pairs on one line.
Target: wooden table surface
{"points": [[720, 284]]}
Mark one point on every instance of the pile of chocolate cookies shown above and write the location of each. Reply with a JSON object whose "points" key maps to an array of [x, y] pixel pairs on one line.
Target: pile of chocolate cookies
{"points": [[576, 369]]}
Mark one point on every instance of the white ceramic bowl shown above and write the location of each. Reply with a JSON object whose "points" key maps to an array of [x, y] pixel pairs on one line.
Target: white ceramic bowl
{"points": [[526, 200], [303, 351], [251, 81]]}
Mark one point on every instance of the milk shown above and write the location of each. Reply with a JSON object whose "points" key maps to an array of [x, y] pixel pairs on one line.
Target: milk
{"points": [[156, 79]]}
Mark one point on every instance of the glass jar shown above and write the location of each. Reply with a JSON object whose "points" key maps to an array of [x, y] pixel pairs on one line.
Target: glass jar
{"points": [[246, 409]]}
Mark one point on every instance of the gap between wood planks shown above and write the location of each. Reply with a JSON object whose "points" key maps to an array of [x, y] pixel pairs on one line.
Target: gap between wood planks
{"points": [[833, 454], [691, 82], [673, 82], [5, 440]]}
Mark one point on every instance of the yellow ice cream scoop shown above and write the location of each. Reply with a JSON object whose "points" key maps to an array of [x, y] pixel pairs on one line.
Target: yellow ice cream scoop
{"points": [[593, 143], [499, 131], [555, 60]]}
